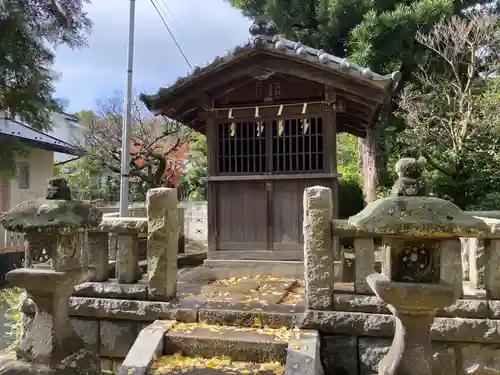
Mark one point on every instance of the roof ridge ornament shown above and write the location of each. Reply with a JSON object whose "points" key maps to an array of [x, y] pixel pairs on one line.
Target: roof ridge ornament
{"points": [[260, 26]]}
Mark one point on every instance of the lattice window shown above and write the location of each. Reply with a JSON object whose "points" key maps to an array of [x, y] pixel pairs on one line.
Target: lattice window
{"points": [[297, 145], [277, 91], [242, 147], [258, 90]]}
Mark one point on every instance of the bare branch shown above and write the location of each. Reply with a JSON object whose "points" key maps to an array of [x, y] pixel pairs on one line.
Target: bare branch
{"points": [[445, 108], [154, 141]]}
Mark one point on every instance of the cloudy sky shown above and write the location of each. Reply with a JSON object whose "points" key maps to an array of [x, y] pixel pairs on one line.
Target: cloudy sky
{"points": [[203, 28]]}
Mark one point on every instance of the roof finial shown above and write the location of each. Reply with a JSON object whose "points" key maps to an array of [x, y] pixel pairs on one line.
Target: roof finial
{"points": [[261, 26]]}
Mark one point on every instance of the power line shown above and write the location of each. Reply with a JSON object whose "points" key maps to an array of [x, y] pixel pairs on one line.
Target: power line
{"points": [[164, 3], [172, 35]]}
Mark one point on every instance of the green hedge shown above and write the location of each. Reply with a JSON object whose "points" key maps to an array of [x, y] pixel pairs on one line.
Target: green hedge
{"points": [[350, 198]]}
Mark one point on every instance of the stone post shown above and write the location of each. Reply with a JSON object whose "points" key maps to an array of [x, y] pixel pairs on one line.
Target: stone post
{"points": [[127, 258], [477, 262], [422, 269], [113, 245], [465, 257], [48, 343], [318, 251], [163, 237], [492, 279], [98, 243], [451, 264], [182, 235], [364, 250]]}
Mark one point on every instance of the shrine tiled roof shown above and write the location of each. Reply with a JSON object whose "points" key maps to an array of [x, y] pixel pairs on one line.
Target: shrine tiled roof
{"points": [[264, 36]]}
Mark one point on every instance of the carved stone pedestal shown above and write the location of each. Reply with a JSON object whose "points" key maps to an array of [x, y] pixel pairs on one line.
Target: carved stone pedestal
{"points": [[414, 306], [48, 343]]}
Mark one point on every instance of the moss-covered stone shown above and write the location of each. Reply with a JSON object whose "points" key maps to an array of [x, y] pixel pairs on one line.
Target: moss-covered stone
{"points": [[46, 215], [411, 181], [417, 216]]}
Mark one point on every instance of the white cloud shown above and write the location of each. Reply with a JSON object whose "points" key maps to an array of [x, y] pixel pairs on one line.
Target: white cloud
{"points": [[204, 29]]}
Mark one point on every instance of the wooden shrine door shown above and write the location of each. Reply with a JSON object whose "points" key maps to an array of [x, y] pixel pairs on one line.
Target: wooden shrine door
{"points": [[297, 163], [242, 200]]}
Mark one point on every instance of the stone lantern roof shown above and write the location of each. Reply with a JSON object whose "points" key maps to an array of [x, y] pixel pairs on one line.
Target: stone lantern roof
{"points": [[410, 212], [56, 212], [417, 216]]}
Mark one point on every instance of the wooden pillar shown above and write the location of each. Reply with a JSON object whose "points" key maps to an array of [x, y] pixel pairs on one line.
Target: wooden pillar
{"points": [[330, 158], [212, 156]]}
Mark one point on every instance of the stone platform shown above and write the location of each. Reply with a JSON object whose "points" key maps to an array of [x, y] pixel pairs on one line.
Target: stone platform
{"points": [[111, 315]]}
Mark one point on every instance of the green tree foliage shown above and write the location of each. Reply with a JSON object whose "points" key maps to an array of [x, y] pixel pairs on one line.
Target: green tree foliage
{"points": [[83, 177], [348, 158], [451, 111], [29, 30], [197, 169], [379, 34]]}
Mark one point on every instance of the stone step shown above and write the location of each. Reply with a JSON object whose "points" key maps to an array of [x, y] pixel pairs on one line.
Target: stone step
{"points": [[170, 347], [178, 364], [238, 344]]}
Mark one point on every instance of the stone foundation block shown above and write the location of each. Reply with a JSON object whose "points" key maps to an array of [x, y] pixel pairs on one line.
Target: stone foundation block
{"points": [[340, 354], [107, 365], [372, 350], [88, 330], [79, 363], [116, 338], [303, 354], [480, 359], [112, 289]]}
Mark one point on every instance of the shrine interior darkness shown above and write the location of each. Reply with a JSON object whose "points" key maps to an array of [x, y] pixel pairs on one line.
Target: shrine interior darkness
{"points": [[288, 146]]}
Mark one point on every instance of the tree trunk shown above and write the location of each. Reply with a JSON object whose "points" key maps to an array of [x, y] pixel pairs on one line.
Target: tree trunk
{"points": [[373, 162]]}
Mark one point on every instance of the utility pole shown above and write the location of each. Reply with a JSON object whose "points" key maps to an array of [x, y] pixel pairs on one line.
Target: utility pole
{"points": [[127, 118]]}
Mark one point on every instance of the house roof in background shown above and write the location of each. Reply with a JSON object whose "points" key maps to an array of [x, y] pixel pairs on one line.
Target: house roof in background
{"points": [[69, 116], [35, 138]]}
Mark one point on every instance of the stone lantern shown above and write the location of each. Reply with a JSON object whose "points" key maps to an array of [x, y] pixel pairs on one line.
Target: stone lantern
{"points": [[48, 343], [421, 263]]}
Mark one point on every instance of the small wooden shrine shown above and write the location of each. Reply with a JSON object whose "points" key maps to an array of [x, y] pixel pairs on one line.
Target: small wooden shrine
{"points": [[270, 110]]}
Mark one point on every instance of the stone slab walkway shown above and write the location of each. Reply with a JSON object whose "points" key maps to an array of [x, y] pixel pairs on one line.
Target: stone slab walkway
{"points": [[257, 291]]}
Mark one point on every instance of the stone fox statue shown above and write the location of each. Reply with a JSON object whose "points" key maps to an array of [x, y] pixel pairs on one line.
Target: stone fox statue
{"points": [[410, 182]]}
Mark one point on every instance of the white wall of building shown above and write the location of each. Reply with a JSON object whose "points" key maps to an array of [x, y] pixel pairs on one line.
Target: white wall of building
{"points": [[66, 128], [35, 169]]}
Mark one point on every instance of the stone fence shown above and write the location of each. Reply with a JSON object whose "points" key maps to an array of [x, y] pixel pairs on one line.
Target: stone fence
{"points": [[118, 239], [361, 256], [193, 222], [357, 326], [108, 312]]}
